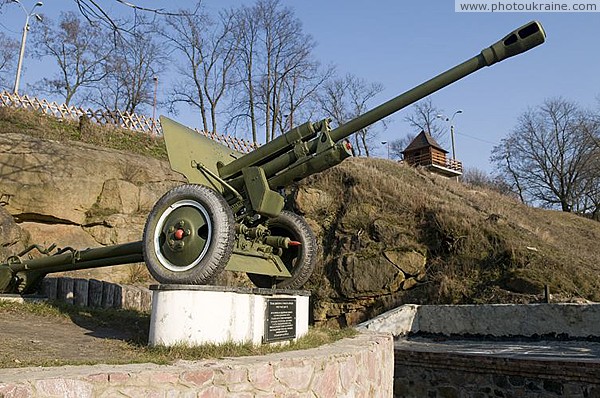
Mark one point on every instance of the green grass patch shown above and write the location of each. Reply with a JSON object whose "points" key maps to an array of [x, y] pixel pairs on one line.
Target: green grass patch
{"points": [[314, 338]]}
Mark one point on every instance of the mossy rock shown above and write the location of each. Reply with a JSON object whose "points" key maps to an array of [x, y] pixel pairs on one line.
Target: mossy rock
{"points": [[356, 276], [519, 282], [410, 263]]}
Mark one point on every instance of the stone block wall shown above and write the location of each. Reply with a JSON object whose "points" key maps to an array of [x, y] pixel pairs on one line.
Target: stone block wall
{"points": [[499, 320], [95, 293], [445, 375], [360, 367], [458, 375]]}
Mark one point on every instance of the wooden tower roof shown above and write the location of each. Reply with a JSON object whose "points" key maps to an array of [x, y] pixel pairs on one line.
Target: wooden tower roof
{"points": [[423, 140]]}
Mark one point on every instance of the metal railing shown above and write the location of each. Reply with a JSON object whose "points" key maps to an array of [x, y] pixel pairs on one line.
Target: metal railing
{"points": [[435, 159]]}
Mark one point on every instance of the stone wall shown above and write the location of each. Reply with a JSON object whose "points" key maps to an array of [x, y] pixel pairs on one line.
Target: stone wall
{"points": [[357, 367], [561, 319], [498, 320], [98, 294], [445, 375], [419, 373]]}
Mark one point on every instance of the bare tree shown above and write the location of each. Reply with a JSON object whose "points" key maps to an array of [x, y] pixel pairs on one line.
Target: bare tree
{"points": [[208, 47], [399, 145], [590, 203], [8, 52], [361, 93], [95, 13], [246, 31], [343, 99], [276, 70], [136, 59], [551, 156], [80, 51], [300, 92], [333, 101], [424, 117]]}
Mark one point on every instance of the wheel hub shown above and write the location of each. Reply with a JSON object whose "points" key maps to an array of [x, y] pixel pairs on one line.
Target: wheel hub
{"points": [[175, 241], [182, 235], [176, 235]]}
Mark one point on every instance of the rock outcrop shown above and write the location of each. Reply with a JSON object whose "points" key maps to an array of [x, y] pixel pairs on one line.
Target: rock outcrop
{"points": [[370, 257], [12, 238], [75, 194]]}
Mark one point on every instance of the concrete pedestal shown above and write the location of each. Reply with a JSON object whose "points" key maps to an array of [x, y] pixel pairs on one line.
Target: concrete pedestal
{"points": [[194, 315]]}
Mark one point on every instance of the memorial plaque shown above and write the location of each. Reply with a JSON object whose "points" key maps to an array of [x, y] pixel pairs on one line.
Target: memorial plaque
{"points": [[280, 319]]}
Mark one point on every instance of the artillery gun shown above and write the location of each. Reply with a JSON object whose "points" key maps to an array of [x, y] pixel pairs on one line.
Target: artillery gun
{"points": [[230, 215]]}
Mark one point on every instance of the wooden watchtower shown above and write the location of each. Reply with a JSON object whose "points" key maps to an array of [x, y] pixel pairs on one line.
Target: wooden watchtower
{"points": [[426, 152]]}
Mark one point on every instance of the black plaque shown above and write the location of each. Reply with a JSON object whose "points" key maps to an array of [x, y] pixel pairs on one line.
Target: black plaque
{"points": [[280, 319]]}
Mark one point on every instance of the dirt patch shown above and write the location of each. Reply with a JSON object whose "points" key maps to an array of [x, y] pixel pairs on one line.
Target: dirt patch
{"points": [[29, 339]]}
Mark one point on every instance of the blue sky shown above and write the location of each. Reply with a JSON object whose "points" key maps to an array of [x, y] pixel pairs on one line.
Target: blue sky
{"points": [[403, 43]]}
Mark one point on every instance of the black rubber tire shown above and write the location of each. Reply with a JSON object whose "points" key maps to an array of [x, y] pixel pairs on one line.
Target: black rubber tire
{"points": [[214, 239], [299, 260]]}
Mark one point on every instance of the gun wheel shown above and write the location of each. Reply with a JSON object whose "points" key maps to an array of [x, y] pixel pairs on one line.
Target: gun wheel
{"points": [[299, 260], [188, 237]]}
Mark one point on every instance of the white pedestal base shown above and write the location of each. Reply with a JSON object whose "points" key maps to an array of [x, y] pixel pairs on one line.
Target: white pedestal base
{"points": [[194, 315]]}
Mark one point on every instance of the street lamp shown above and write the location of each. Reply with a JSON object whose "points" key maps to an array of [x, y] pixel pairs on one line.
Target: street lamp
{"points": [[450, 119], [24, 38], [388, 147]]}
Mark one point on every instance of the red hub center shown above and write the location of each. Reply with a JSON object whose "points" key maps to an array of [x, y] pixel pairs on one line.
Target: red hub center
{"points": [[179, 234]]}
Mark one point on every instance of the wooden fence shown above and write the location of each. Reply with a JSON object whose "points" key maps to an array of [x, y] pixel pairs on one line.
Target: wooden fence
{"points": [[130, 121]]}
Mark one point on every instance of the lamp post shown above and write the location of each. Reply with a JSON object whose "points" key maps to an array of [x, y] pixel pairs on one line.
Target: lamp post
{"points": [[388, 147], [24, 38], [450, 119]]}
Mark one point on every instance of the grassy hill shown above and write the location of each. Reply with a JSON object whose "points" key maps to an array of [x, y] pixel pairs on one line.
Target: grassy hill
{"points": [[391, 234], [479, 246]]}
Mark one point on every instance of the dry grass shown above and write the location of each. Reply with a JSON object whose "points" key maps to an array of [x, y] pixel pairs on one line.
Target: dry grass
{"points": [[47, 127], [138, 274], [481, 246]]}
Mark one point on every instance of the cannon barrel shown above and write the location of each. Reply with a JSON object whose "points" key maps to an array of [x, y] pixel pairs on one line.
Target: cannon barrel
{"points": [[283, 167], [272, 156], [520, 40], [81, 259]]}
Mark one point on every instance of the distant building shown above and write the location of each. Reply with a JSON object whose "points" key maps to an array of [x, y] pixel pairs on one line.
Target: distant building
{"points": [[426, 152]]}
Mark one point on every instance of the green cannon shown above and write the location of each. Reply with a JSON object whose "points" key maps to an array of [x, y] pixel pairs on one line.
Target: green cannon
{"points": [[230, 215]]}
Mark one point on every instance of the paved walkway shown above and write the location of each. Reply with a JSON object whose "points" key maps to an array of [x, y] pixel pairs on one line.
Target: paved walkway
{"points": [[572, 351]]}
